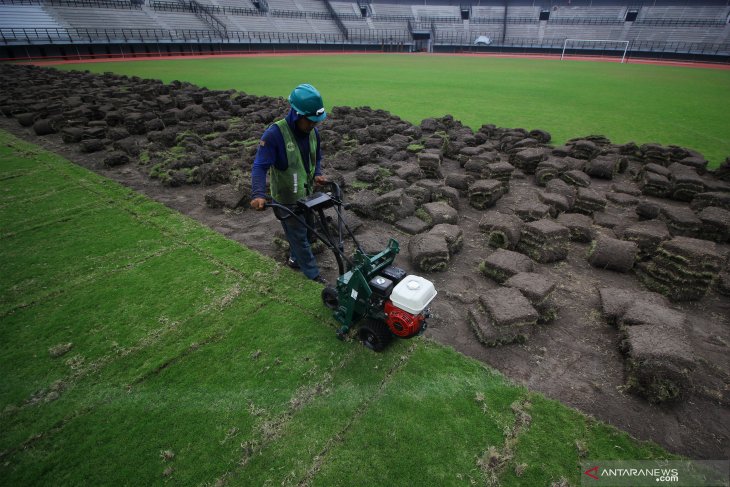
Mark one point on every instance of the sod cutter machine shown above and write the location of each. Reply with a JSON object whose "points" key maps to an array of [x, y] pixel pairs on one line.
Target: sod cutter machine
{"points": [[370, 292]]}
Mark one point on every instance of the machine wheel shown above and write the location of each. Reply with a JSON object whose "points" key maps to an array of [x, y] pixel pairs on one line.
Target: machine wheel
{"points": [[375, 335], [330, 297]]}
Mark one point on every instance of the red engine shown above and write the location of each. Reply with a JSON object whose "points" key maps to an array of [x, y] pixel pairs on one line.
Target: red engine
{"points": [[402, 323]]}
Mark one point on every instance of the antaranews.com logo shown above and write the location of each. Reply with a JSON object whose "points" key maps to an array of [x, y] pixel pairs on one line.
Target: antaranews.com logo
{"points": [[676, 473]]}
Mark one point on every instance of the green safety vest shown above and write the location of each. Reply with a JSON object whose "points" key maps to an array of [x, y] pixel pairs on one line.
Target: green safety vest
{"points": [[294, 183]]}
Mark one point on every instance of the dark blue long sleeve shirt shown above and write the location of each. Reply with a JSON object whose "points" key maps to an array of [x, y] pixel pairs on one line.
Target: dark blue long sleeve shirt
{"points": [[272, 152]]}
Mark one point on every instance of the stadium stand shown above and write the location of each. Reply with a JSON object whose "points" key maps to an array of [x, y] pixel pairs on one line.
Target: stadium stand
{"points": [[424, 12], [180, 20], [698, 12], [346, 9], [665, 28], [311, 6], [252, 23], [487, 12], [102, 18], [387, 10], [614, 12], [27, 17]]}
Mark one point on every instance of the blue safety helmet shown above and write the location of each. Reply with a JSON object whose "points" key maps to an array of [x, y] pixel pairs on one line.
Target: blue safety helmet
{"points": [[307, 102]]}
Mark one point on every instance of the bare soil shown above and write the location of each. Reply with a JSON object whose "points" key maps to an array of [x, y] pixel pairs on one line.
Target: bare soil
{"points": [[574, 359]]}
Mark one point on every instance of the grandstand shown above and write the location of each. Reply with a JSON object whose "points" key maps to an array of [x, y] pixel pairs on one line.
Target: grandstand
{"points": [[79, 28]]}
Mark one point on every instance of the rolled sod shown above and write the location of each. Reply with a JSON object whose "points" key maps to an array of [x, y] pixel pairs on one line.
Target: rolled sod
{"points": [[501, 230], [613, 254]]}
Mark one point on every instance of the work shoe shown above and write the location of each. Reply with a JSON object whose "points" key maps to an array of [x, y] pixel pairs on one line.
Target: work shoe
{"points": [[292, 263], [320, 280]]}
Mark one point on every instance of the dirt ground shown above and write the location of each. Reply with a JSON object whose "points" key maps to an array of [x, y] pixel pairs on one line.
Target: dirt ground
{"points": [[574, 359]]}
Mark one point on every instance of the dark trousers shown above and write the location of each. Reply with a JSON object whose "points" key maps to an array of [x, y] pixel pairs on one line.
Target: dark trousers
{"points": [[300, 249]]}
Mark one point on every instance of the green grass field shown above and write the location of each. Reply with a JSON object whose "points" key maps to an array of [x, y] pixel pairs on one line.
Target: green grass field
{"points": [[689, 107], [138, 347]]}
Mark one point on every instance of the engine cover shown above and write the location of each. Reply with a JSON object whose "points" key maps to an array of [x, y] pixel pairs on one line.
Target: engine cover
{"points": [[403, 323], [413, 294]]}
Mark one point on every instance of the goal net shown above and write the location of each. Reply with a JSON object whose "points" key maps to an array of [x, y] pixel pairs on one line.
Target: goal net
{"points": [[593, 47]]}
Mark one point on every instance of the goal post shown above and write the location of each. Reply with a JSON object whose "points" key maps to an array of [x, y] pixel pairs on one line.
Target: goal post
{"points": [[618, 46]]}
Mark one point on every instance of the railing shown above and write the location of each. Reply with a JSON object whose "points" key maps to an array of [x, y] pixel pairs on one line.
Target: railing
{"points": [[462, 40], [343, 17], [301, 15], [205, 14], [185, 7], [441, 20], [467, 39], [385, 34], [584, 21], [55, 36], [336, 18], [243, 11], [364, 5], [508, 20], [393, 18], [705, 48], [614, 21], [289, 14], [286, 38], [682, 22], [419, 27], [71, 36], [78, 3], [172, 6]]}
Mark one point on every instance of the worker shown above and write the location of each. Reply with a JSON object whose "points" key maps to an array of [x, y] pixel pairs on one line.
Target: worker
{"points": [[289, 151]]}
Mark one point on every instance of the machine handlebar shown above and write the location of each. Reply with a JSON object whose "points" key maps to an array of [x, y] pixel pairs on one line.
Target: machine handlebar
{"points": [[336, 196]]}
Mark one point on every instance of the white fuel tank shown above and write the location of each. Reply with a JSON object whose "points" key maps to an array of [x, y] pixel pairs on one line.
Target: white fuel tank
{"points": [[413, 294]]}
